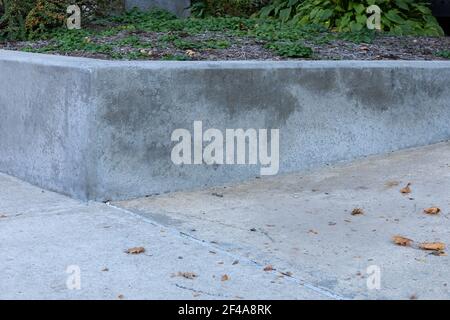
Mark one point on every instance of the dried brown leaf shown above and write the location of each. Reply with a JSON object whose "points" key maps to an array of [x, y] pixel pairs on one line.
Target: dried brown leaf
{"points": [[136, 250], [357, 212], [402, 241], [407, 189], [268, 268], [433, 246], [225, 277], [432, 210], [191, 53]]}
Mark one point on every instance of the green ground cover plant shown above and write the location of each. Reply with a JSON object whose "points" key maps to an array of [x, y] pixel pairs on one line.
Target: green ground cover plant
{"points": [[276, 36], [444, 54], [138, 35]]}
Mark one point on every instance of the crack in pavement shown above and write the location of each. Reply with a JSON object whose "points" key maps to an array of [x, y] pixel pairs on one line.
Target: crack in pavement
{"points": [[203, 292]]}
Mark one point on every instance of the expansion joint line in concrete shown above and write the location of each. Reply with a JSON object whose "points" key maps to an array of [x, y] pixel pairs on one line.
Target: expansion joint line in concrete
{"points": [[322, 291]]}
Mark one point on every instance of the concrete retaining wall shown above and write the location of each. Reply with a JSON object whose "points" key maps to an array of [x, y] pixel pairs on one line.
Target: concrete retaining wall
{"points": [[102, 130]]}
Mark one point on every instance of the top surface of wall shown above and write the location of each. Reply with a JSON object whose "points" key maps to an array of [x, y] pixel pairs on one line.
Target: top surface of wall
{"points": [[91, 64]]}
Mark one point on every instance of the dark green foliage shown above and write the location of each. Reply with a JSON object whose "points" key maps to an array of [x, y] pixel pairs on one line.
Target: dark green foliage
{"points": [[176, 33], [444, 54], [400, 17], [162, 30], [220, 8], [291, 50], [28, 19]]}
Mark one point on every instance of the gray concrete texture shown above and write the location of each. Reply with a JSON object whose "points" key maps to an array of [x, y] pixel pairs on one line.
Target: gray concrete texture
{"points": [[301, 224], [178, 7], [101, 130], [43, 234]]}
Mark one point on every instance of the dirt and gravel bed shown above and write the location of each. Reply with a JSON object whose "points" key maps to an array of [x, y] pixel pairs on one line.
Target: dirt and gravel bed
{"points": [[155, 46], [385, 48]]}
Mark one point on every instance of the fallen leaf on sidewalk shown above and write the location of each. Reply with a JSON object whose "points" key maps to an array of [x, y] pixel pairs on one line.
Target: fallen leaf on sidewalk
{"points": [[437, 248], [136, 250], [187, 275], [406, 189], [268, 268], [402, 241], [433, 246], [357, 212], [225, 277], [432, 211]]}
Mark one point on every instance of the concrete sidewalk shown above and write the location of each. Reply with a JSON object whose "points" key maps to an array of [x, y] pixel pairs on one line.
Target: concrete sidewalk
{"points": [[300, 224]]}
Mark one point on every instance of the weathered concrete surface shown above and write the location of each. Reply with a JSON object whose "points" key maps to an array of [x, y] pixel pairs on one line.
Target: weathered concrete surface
{"points": [[178, 7], [43, 233], [102, 130], [46, 109], [303, 223]]}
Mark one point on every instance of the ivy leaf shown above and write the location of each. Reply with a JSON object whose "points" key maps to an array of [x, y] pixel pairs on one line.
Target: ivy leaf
{"points": [[285, 14], [402, 4], [394, 17], [359, 8]]}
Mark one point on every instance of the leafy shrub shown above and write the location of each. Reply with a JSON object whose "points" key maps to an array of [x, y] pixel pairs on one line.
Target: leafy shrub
{"points": [[12, 20], [44, 16], [401, 17], [218, 8], [283, 10], [22, 19]]}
